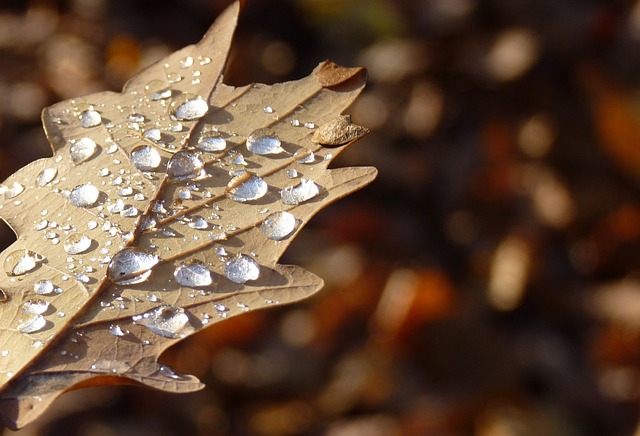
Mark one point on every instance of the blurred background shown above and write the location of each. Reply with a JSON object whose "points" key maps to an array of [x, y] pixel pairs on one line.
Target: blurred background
{"points": [[487, 283]]}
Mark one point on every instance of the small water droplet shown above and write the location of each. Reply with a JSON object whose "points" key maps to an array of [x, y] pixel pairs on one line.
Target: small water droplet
{"points": [[264, 141], [21, 262], [241, 269], [131, 265], [292, 173], [35, 306], [84, 195], [186, 62], [193, 274], [304, 156], [130, 211], [268, 110], [153, 134], [46, 176], [212, 142], [279, 225], [145, 158], [116, 330], [185, 165], [183, 194], [90, 118], [125, 191], [190, 108], [303, 191], [41, 225], [166, 321], [246, 187], [199, 224], [13, 191], [221, 307], [77, 243], [32, 324], [295, 123], [174, 77], [309, 125], [136, 118], [43, 287], [82, 150]]}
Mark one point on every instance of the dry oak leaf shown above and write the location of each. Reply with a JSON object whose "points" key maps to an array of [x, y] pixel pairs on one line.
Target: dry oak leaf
{"points": [[163, 210]]}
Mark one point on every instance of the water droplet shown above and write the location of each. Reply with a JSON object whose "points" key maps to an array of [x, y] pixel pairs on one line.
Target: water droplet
{"points": [[35, 306], [3, 296], [221, 307], [304, 156], [193, 274], [43, 287], [90, 118], [246, 187], [166, 321], [82, 150], [84, 195], [15, 190], [32, 324], [136, 118], [183, 194], [190, 108], [77, 243], [292, 173], [279, 225], [184, 165], [153, 134], [21, 262], [145, 158], [129, 211], [199, 224], [264, 141], [46, 176], [241, 269], [116, 330], [212, 142], [303, 191], [186, 62], [125, 191], [268, 110], [131, 265], [309, 125]]}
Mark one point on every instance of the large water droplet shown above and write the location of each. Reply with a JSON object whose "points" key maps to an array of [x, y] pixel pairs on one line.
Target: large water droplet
{"points": [[246, 187], [35, 306], [212, 142], [241, 269], [184, 165], [131, 265], [145, 158], [90, 118], [21, 262], [77, 243], [166, 321], [82, 149], [303, 191], [279, 225], [193, 274], [84, 195], [264, 141], [46, 176], [43, 287], [190, 108], [13, 191], [32, 324]]}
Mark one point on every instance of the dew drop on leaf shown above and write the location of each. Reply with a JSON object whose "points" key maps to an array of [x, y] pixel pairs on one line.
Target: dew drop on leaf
{"points": [[145, 158], [21, 262], [131, 265], [264, 141], [116, 330], [279, 225], [13, 191], [303, 191], [212, 142], [46, 176], [77, 243], [166, 321], [184, 165], [153, 134], [90, 118], [241, 269], [190, 108], [82, 150], [199, 224], [304, 156], [43, 287], [3, 296], [85, 195], [193, 274], [32, 324], [35, 306], [246, 187]]}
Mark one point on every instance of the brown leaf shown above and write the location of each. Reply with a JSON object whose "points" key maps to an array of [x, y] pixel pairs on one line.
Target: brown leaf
{"points": [[164, 209], [338, 131]]}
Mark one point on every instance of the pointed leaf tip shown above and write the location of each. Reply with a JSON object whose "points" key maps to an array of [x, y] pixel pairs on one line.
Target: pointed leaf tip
{"points": [[330, 74]]}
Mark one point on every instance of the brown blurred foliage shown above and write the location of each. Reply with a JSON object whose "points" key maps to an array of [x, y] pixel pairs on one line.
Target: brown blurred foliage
{"points": [[487, 283]]}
